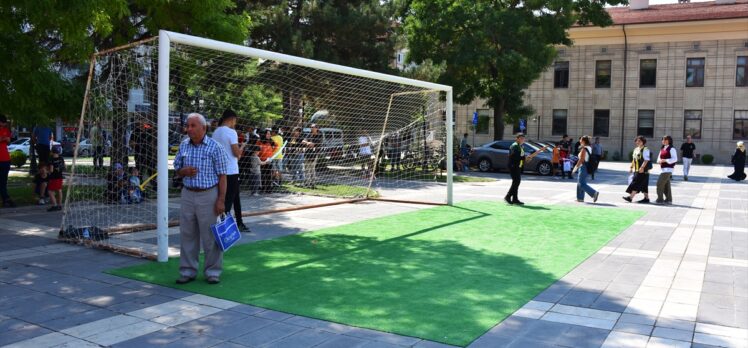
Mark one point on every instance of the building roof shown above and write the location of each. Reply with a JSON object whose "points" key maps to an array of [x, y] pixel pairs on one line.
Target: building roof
{"points": [[694, 11]]}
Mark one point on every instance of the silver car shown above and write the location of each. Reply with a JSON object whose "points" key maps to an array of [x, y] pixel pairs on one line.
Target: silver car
{"points": [[493, 156]]}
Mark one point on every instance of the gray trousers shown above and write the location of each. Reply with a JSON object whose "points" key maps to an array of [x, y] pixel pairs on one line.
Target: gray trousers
{"points": [[195, 217], [663, 187]]}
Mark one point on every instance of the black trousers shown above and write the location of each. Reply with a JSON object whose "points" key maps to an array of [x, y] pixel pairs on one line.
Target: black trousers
{"points": [[4, 170], [232, 197], [516, 174]]}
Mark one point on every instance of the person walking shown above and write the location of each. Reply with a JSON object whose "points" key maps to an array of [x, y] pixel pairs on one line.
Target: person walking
{"points": [[5, 135], [95, 138], [667, 158], [202, 163], [313, 144], [686, 152], [597, 155], [738, 162], [278, 163], [640, 166], [295, 156], [583, 164], [226, 135], [565, 149], [515, 163], [41, 138]]}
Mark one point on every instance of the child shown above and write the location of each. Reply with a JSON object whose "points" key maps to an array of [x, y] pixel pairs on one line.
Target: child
{"points": [[41, 179], [135, 194], [116, 185], [57, 168], [255, 171]]}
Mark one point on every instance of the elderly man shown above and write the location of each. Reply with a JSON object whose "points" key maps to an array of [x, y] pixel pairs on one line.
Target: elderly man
{"points": [[202, 163]]}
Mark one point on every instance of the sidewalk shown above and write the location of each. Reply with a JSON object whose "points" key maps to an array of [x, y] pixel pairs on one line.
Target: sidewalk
{"points": [[676, 278]]}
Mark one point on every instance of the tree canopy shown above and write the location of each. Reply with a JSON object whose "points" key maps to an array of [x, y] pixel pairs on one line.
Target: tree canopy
{"points": [[45, 44], [495, 49]]}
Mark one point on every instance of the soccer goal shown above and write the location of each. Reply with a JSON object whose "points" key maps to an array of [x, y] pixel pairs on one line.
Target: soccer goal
{"points": [[369, 136]]}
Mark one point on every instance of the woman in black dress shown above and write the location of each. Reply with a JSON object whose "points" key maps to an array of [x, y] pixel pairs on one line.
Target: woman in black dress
{"points": [[738, 161]]}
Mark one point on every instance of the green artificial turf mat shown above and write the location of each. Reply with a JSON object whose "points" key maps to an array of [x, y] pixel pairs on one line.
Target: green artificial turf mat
{"points": [[446, 274]]}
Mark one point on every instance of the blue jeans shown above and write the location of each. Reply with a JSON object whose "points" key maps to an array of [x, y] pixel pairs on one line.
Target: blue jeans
{"points": [[582, 186]]}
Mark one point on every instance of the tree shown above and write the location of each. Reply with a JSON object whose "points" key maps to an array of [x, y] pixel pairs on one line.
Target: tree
{"points": [[495, 49], [355, 33], [49, 44]]}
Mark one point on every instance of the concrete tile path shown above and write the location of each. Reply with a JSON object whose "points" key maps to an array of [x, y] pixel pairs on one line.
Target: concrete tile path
{"points": [[677, 278]]}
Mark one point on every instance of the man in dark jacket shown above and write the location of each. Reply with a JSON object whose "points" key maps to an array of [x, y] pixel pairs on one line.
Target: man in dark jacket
{"points": [[516, 162]]}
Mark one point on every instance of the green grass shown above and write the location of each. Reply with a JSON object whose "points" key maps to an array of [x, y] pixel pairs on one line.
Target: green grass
{"points": [[446, 274], [332, 190]]}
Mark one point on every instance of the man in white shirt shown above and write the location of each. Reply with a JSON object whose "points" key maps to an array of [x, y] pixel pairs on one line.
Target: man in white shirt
{"points": [[226, 135], [364, 150], [667, 158]]}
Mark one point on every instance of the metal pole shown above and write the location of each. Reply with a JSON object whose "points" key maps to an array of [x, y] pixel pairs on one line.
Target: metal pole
{"points": [[450, 144], [162, 215]]}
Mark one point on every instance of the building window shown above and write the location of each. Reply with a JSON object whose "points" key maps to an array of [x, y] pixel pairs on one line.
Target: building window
{"points": [[561, 75], [648, 73], [602, 73], [692, 124], [695, 72], [559, 121], [646, 123], [741, 80], [740, 125], [484, 120], [601, 123]]}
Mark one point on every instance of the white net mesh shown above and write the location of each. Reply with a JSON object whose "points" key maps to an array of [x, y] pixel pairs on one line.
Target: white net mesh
{"points": [[376, 139]]}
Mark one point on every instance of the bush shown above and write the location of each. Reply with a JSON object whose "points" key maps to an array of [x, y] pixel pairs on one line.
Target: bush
{"points": [[18, 158], [707, 159]]}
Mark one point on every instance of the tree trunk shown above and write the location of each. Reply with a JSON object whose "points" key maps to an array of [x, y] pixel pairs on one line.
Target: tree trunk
{"points": [[291, 106], [498, 120], [118, 151]]}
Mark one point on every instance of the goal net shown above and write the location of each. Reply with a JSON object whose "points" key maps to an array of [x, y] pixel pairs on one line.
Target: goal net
{"points": [[377, 136]]}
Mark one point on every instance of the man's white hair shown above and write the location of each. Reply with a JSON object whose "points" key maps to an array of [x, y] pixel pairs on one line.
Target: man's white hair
{"points": [[199, 117]]}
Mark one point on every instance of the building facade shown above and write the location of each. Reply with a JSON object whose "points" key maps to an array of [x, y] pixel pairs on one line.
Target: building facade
{"points": [[677, 69]]}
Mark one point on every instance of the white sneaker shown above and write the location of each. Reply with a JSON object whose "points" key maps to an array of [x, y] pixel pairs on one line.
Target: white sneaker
{"points": [[255, 194], [42, 201]]}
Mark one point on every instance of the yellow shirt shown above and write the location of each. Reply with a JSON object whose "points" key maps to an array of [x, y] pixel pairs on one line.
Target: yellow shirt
{"points": [[278, 140]]}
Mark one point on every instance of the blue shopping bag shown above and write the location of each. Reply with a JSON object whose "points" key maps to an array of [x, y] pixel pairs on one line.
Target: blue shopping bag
{"points": [[225, 231]]}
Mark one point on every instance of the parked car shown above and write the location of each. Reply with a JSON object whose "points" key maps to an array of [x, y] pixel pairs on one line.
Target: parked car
{"points": [[22, 144], [493, 156]]}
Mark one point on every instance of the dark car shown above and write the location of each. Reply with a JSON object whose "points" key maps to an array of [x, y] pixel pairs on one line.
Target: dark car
{"points": [[493, 156]]}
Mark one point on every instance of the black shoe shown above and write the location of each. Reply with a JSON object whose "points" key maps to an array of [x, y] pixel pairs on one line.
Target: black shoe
{"points": [[659, 201], [627, 199], [184, 279], [213, 280], [518, 202], [644, 200], [594, 197], [243, 228], [507, 200], [54, 208]]}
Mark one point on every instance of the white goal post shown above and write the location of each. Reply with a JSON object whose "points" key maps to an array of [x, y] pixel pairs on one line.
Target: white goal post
{"points": [[167, 38]]}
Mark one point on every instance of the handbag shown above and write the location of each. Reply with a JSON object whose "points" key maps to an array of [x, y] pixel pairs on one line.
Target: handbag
{"points": [[225, 231], [567, 165]]}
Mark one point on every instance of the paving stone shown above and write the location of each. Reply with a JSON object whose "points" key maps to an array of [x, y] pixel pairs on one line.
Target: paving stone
{"points": [[225, 328], [582, 337], [340, 341], [637, 319], [625, 340], [247, 309], [21, 332], [673, 334], [268, 334], [303, 339], [638, 329], [684, 325], [659, 342]]}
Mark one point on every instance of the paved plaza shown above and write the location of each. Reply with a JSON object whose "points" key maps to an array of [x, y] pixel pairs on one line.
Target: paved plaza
{"points": [[678, 277]]}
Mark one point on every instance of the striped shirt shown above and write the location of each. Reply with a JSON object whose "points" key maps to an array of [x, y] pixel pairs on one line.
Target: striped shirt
{"points": [[208, 157]]}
